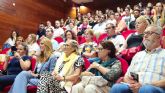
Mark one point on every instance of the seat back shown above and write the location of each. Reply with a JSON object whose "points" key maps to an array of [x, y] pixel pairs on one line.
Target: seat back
{"points": [[59, 39], [33, 63], [124, 65]]}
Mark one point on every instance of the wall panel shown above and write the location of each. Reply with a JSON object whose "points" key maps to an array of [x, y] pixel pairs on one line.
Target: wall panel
{"points": [[25, 15]]}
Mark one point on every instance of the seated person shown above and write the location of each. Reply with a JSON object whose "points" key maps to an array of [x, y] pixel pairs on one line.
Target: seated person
{"points": [[87, 49], [18, 63], [146, 72], [66, 73], [108, 67], [45, 63], [118, 40], [33, 47], [13, 49], [11, 40], [135, 39]]}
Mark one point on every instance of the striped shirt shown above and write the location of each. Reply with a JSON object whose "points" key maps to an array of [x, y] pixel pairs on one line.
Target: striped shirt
{"points": [[150, 66]]}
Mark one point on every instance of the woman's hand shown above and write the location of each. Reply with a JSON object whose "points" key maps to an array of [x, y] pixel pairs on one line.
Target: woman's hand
{"points": [[58, 77], [94, 65], [135, 87], [33, 74], [16, 54], [53, 73]]}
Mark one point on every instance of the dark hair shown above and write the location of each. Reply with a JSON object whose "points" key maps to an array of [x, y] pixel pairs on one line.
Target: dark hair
{"points": [[73, 35], [17, 34], [109, 46]]}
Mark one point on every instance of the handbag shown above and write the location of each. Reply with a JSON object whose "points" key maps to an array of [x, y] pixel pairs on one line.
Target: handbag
{"points": [[95, 80]]}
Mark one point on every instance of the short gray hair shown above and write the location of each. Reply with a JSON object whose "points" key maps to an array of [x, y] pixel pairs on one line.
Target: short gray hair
{"points": [[75, 45], [158, 28]]}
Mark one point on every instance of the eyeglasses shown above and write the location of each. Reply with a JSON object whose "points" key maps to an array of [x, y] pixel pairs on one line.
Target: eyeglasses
{"points": [[150, 33], [66, 45], [108, 28], [100, 49]]}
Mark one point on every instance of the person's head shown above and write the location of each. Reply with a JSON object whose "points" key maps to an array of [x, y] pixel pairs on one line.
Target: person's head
{"points": [[31, 39], [106, 49], [69, 35], [22, 49], [110, 29], [89, 35], [141, 24], [118, 9], [149, 4], [48, 23], [136, 13], [127, 11], [85, 22], [41, 26], [117, 16], [96, 18], [46, 49], [152, 37], [101, 18], [70, 47], [46, 45], [159, 7], [57, 24], [14, 34], [147, 11], [62, 22], [19, 40], [49, 33]]}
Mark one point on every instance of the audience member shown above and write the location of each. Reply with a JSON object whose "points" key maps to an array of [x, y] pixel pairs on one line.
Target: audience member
{"points": [[108, 67], [45, 63], [66, 73], [146, 72], [19, 62]]}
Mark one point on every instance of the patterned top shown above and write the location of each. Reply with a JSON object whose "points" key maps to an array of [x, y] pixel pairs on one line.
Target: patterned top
{"points": [[79, 62], [114, 72], [88, 47], [150, 66]]}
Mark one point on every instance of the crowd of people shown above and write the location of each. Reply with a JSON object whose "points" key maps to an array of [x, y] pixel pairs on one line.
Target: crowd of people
{"points": [[82, 55]]}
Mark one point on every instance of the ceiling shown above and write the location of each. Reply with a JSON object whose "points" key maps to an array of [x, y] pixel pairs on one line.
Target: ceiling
{"points": [[82, 1]]}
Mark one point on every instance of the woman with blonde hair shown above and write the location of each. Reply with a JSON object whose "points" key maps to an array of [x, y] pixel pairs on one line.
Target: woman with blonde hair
{"points": [[34, 49], [45, 64], [88, 48], [159, 15], [66, 73]]}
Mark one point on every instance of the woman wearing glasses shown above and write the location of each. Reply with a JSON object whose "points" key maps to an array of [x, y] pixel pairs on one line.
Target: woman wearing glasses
{"points": [[108, 67], [67, 70]]}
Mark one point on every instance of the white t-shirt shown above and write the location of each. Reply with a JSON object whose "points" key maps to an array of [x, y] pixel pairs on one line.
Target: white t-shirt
{"points": [[58, 32]]}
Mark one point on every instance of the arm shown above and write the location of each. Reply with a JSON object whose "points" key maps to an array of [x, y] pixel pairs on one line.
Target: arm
{"points": [[109, 72], [160, 83], [113, 72], [74, 77], [52, 64], [89, 55], [6, 63], [25, 65]]}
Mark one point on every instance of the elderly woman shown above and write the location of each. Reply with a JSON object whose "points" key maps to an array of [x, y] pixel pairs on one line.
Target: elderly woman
{"points": [[108, 67], [19, 62], [88, 48], [45, 63], [67, 70]]}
